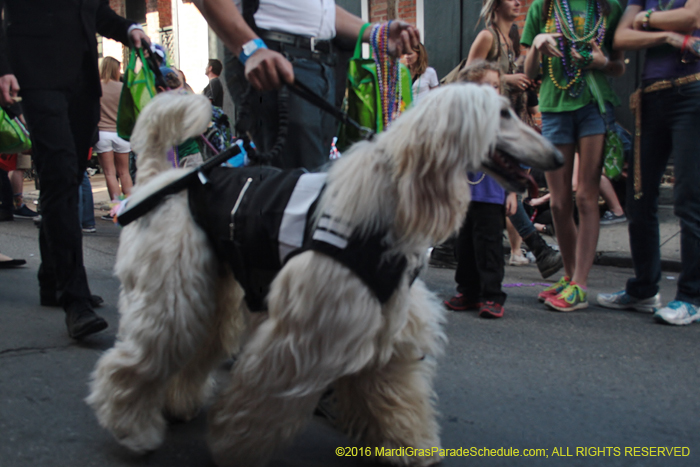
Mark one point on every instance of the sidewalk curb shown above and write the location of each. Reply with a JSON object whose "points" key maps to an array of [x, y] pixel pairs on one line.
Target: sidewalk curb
{"points": [[622, 260]]}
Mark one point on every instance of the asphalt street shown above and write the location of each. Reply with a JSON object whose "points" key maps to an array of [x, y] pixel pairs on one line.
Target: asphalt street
{"points": [[578, 383]]}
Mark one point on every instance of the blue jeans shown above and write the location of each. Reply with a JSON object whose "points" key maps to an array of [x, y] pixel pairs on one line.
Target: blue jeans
{"points": [[310, 130], [521, 221], [670, 120], [86, 204], [569, 127]]}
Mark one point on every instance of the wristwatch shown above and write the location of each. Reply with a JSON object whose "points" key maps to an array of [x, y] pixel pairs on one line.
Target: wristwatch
{"points": [[249, 48]]}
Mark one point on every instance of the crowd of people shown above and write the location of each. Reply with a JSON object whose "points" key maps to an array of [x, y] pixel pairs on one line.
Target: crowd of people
{"points": [[560, 69], [574, 47]]}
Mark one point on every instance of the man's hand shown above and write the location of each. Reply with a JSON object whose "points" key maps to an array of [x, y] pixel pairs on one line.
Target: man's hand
{"points": [[139, 39], [9, 87], [266, 70], [402, 38]]}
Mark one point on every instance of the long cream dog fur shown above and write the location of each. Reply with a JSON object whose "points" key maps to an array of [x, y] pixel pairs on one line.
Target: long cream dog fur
{"points": [[182, 312]]}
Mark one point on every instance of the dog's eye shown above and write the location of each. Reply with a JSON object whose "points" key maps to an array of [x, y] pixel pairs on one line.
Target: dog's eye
{"points": [[505, 113]]}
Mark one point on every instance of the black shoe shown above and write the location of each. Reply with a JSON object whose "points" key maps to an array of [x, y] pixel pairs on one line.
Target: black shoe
{"points": [[49, 299], [548, 259], [82, 321], [12, 263], [23, 212]]}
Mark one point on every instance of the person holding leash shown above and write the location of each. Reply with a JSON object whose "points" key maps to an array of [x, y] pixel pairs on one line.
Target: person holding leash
{"points": [[272, 42], [668, 106]]}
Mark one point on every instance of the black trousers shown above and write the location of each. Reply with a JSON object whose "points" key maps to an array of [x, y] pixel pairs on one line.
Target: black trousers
{"points": [[63, 127], [480, 266], [6, 195]]}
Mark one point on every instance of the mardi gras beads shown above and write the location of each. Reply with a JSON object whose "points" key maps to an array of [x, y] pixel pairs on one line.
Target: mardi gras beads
{"points": [[387, 73]]}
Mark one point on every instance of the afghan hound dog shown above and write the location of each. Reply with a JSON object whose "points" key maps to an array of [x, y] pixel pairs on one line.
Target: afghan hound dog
{"points": [[345, 308]]}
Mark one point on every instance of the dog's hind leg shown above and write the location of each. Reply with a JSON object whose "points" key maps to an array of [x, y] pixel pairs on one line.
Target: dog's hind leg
{"points": [[167, 307], [392, 405], [322, 325], [189, 389]]}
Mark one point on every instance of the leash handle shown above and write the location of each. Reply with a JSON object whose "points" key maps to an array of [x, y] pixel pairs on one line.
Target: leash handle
{"points": [[131, 213], [314, 99]]}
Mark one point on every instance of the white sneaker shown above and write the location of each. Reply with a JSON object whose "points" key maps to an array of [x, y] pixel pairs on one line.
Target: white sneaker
{"points": [[623, 301], [518, 260], [679, 313]]}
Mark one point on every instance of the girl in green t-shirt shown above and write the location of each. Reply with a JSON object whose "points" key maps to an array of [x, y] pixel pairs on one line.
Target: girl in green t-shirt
{"points": [[570, 45]]}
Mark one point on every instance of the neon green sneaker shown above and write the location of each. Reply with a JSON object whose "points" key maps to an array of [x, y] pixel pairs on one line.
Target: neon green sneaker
{"points": [[573, 297], [554, 289]]}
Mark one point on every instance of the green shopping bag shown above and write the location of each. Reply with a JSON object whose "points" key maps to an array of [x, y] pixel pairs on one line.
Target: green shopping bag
{"points": [[139, 88], [613, 148], [362, 101], [14, 137]]}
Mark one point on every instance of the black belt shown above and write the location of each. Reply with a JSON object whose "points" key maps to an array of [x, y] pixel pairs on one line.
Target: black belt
{"points": [[300, 46], [301, 42]]}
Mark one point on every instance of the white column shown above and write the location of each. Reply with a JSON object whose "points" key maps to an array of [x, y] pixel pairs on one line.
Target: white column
{"points": [[420, 23], [192, 43], [174, 7]]}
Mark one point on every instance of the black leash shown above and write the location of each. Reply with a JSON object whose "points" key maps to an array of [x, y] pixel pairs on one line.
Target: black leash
{"points": [[130, 213], [314, 99]]}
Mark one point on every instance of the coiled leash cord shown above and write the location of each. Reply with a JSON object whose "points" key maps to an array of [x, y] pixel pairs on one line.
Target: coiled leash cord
{"points": [[258, 157]]}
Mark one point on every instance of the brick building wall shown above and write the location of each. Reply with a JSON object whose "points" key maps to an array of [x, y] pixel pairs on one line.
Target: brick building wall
{"points": [[384, 10], [162, 7]]}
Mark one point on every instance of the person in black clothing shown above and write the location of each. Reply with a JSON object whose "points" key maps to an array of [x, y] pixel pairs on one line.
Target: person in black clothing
{"points": [[62, 109], [214, 90]]}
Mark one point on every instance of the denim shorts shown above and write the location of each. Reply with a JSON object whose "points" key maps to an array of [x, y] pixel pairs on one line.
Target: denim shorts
{"points": [[569, 127]]}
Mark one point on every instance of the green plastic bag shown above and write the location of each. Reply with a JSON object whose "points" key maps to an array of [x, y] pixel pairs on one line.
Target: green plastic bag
{"points": [[138, 90], [362, 101], [613, 155], [14, 137], [613, 149]]}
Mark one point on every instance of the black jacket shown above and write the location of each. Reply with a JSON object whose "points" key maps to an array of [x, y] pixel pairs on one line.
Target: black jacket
{"points": [[44, 42]]}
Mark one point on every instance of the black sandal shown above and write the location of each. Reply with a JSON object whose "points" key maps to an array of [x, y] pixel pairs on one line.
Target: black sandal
{"points": [[13, 263]]}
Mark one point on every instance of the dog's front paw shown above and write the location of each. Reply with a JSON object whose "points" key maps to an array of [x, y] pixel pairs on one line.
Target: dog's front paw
{"points": [[143, 441]]}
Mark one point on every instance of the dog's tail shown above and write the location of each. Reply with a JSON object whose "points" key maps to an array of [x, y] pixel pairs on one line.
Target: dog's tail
{"points": [[167, 121]]}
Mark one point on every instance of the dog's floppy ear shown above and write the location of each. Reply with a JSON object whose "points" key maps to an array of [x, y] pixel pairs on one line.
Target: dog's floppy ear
{"points": [[452, 130], [167, 121]]}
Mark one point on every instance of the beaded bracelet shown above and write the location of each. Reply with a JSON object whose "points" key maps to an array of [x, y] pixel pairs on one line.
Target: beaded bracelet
{"points": [[645, 21], [684, 47]]}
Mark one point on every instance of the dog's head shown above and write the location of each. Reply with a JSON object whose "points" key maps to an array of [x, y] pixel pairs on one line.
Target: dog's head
{"points": [[168, 120], [467, 127], [518, 145]]}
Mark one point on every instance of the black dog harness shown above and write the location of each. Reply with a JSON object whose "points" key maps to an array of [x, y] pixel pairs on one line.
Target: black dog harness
{"points": [[257, 218]]}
